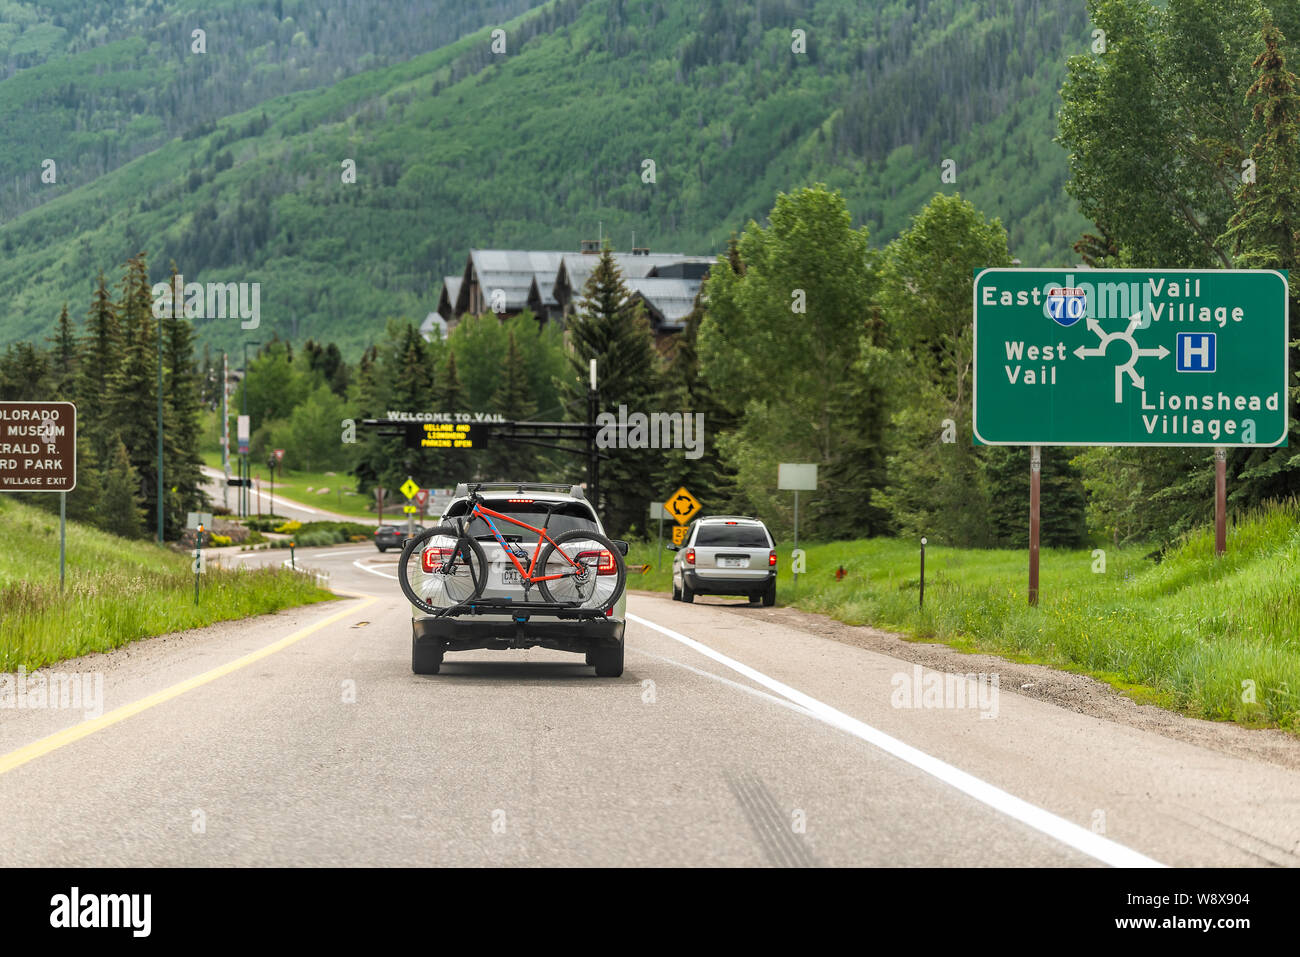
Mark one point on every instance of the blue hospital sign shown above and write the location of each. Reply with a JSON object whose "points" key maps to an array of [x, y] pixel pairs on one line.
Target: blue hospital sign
{"points": [[1194, 352]]}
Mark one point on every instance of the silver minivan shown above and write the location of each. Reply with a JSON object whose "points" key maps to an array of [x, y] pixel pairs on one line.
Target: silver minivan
{"points": [[726, 555]]}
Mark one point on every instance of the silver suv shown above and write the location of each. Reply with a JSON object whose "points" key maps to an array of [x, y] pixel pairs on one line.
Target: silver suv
{"points": [[558, 508], [726, 555]]}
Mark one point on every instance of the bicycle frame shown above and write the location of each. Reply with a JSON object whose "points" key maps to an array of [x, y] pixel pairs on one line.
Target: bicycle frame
{"points": [[526, 575]]}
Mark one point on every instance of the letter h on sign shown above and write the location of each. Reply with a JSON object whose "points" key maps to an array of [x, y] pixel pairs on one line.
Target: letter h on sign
{"points": [[1194, 352]]}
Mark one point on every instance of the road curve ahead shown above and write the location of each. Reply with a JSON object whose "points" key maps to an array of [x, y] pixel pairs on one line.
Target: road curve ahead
{"points": [[303, 738]]}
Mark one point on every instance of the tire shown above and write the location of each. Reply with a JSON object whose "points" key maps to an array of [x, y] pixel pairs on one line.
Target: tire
{"points": [[382, 548], [688, 596], [769, 596], [434, 593], [677, 592], [559, 557], [608, 662], [426, 655]]}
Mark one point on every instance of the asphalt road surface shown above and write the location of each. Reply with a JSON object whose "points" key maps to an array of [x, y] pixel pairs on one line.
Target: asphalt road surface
{"points": [[260, 498], [304, 738]]}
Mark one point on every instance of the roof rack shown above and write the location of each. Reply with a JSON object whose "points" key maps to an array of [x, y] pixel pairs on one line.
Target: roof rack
{"points": [[575, 490], [744, 518]]}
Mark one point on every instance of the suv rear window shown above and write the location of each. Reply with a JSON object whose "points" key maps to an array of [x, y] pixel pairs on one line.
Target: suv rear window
{"points": [[732, 536], [566, 517]]}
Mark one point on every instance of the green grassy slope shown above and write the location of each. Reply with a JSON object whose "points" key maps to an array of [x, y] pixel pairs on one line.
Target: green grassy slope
{"points": [[534, 148], [117, 590]]}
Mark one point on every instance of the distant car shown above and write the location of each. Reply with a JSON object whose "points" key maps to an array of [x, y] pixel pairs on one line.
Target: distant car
{"points": [[392, 536], [726, 555]]}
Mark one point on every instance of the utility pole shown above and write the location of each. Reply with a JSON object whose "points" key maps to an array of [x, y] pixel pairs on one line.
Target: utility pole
{"points": [[245, 472], [593, 458]]}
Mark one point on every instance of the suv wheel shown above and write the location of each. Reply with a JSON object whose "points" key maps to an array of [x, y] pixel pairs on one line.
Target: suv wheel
{"points": [[769, 595], [426, 655], [382, 548], [688, 596], [677, 592], [607, 661]]}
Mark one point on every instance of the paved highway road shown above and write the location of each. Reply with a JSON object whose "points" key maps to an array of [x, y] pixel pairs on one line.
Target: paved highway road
{"points": [[304, 738], [217, 490]]}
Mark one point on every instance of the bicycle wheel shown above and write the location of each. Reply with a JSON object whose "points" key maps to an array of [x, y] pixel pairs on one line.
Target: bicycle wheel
{"points": [[591, 566], [440, 569]]}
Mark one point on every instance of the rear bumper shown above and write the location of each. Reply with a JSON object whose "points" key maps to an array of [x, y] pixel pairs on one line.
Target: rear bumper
{"points": [[703, 585], [467, 634]]}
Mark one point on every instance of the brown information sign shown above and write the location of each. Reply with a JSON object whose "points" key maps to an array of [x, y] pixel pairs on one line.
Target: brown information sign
{"points": [[38, 446]]}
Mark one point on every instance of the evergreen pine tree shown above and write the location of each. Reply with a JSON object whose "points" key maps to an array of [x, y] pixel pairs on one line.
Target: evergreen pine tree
{"points": [[132, 388], [63, 359], [119, 511], [182, 388], [613, 330], [1264, 233], [98, 358], [513, 401]]}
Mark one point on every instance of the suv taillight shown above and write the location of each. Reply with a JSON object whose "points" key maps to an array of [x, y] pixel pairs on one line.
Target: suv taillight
{"points": [[605, 565], [431, 559], [771, 558], [690, 556]]}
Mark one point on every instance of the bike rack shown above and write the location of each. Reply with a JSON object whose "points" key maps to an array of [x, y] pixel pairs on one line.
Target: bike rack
{"points": [[493, 606]]}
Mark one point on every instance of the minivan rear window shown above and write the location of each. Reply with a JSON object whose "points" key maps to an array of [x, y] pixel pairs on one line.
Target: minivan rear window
{"points": [[732, 536]]}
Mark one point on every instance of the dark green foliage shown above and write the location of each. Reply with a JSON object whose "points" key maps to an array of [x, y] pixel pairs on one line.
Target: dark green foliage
{"points": [[1062, 521], [712, 93], [614, 331]]}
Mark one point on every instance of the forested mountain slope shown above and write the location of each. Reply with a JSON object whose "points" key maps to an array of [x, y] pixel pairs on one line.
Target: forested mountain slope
{"points": [[546, 143]]}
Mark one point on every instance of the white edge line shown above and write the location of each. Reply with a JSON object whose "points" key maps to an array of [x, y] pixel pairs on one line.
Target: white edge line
{"points": [[373, 571], [1054, 826]]}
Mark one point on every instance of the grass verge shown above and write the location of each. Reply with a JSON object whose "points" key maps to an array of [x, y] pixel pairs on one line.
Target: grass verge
{"points": [[116, 590], [1215, 638]]}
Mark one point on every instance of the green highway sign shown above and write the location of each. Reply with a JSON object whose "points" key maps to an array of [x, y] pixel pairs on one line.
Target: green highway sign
{"points": [[1130, 357]]}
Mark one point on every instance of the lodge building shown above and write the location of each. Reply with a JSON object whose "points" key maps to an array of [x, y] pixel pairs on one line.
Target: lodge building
{"points": [[549, 283]]}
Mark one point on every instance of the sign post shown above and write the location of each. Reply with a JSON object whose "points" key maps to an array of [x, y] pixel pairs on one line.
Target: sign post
{"points": [[241, 436], [1035, 489], [409, 489], [793, 476], [40, 455], [658, 511], [1131, 357]]}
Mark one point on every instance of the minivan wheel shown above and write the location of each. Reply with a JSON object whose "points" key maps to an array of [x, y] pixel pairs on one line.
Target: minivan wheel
{"points": [[688, 596], [769, 596], [677, 592]]}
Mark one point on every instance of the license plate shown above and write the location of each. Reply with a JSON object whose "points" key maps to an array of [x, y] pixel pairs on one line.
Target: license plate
{"points": [[733, 562], [509, 575]]}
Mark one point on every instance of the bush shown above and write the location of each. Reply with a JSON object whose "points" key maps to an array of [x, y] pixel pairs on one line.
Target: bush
{"points": [[289, 527]]}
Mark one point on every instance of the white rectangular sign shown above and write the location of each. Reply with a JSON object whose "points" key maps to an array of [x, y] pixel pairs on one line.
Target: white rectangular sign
{"points": [[791, 476]]}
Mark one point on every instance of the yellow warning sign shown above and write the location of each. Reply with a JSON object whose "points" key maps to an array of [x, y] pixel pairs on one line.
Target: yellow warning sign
{"points": [[409, 488], [682, 505], [680, 534]]}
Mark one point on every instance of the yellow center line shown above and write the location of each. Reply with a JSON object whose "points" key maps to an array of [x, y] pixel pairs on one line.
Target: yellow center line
{"points": [[53, 742]]}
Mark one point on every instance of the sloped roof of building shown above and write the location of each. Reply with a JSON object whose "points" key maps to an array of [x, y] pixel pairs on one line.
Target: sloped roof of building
{"points": [[576, 268], [669, 300], [512, 271], [447, 299]]}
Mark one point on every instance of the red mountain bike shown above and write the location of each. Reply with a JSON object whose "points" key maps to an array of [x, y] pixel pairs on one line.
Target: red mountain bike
{"points": [[444, 569]]}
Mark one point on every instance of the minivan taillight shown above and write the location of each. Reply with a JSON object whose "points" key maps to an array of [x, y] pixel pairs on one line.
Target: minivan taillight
{"points": [[690, 556], [605, 563], [771, 558]]}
